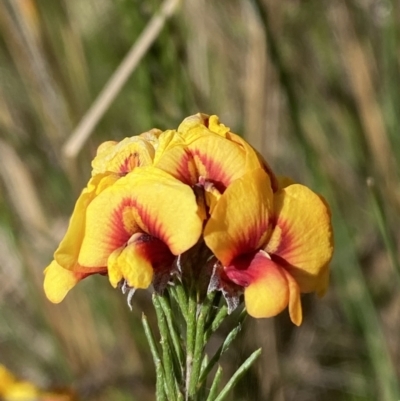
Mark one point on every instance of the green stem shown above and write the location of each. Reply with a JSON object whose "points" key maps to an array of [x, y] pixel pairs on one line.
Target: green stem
{"points": [[170, 378], [160, 392], [199, 344], [190, 338], [167, 310], [181, 299], [238, 374], [214, 387], [224, 346], [219, 318]]}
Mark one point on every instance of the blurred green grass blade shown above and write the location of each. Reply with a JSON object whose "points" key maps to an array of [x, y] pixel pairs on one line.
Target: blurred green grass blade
{"points": [[357, 301], [244, 367], [384, 229]]}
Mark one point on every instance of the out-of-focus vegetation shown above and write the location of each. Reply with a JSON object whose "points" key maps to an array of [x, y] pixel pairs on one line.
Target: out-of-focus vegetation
{"points": [[314, 85]]}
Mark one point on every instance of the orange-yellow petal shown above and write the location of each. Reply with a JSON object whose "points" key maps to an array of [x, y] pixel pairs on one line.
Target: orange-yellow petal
{"points": [[129, 264], [253, 158], [138, 261], [240, 218], [302, 241], [201, 126], [67, 252], [203, 154], [177, 161], [267, 291], [147, 200], [295, 310], [58, 281]]}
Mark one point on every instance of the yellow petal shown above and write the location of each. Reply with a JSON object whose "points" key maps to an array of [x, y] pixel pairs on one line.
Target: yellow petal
{"points": [[58, 281], [130, 264], [215, 126], [240, 218], [295, 310], [137, 263], [174, 158], [305, 243], [267, 293], [67, 252], [190, 122], [220, 155], [122, 157], [146, 200]]}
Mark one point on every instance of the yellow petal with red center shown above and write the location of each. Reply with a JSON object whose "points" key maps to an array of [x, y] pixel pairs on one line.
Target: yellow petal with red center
{"points": [[173, 157], [220, 155], [67, 252], [122, 157], [146, 200], [129, 264], [217, 159], [58, 281], [267, 291], [166, 141], [240, 218], [302, 241], [139, 261]]}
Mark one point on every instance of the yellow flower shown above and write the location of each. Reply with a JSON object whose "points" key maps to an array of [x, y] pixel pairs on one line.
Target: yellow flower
{"points": [[133, 229], [13, 390], [21, 391], [274, 245], [113, 161], [204, 152], [124, 156]]}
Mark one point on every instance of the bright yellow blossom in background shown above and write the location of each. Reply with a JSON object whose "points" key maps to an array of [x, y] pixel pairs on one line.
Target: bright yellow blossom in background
{"points": [[12, 389]]}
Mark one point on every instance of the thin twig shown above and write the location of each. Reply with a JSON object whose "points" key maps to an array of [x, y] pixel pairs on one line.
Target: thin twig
{"points": [[111, 89]]}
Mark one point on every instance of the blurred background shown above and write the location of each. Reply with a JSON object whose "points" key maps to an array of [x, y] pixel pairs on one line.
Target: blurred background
{"points": [[312, 84]]}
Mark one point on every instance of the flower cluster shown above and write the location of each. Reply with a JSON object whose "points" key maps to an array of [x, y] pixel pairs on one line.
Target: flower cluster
{"points": [[154, 197], [12, 389]]}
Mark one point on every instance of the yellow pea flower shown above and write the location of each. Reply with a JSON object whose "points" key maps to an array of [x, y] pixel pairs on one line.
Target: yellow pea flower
{"points": [[273, 244], [133, 229], [204, 152]]}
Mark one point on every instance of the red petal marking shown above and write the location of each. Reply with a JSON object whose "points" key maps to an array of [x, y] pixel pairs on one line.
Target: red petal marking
{"points": [[286, 241], [184, 172], [129, 163], [155, 251], [215, 171], [120, 233], [239, 270]]}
